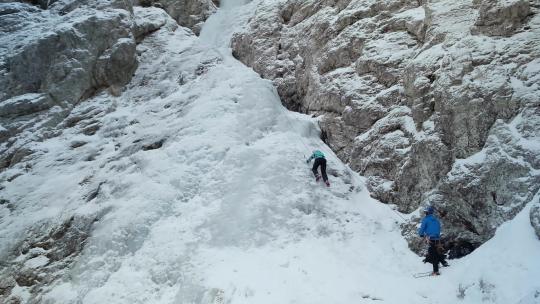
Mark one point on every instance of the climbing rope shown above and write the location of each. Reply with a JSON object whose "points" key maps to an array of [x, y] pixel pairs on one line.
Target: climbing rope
{"points": [[398, 214]]}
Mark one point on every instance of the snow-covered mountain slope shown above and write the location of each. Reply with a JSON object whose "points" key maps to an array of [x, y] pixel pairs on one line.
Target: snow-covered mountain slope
{"points": [[194, 189], [435, 102]]}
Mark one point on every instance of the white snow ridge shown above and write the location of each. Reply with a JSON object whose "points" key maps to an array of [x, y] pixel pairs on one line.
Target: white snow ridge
{"points": [[195, 189]]}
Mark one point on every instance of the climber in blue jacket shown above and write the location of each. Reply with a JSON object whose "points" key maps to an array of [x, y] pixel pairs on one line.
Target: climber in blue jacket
{"points": [[320, 161], [430, 229]]}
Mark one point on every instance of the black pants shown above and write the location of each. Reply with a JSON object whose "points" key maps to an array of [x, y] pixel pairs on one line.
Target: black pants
{"points": [[435, 255], [320, 162]]}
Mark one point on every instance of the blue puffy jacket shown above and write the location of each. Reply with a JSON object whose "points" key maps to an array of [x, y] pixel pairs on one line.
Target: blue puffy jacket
{"points": [[430, 227]]}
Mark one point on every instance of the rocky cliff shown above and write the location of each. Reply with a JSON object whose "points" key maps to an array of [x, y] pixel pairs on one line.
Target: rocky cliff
{"points": [[54, 55], [58, 53], [191, 14], [436, 102]]}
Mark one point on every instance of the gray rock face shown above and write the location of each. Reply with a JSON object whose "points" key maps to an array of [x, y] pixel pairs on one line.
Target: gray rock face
{"points": [[53, 62], [58, 57], [54, 57], [148, 20], [63, 7], [535, 219], [66, 62], [43, 256], [433, 101], [501, 18], [25, 104], [188, 13]]}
